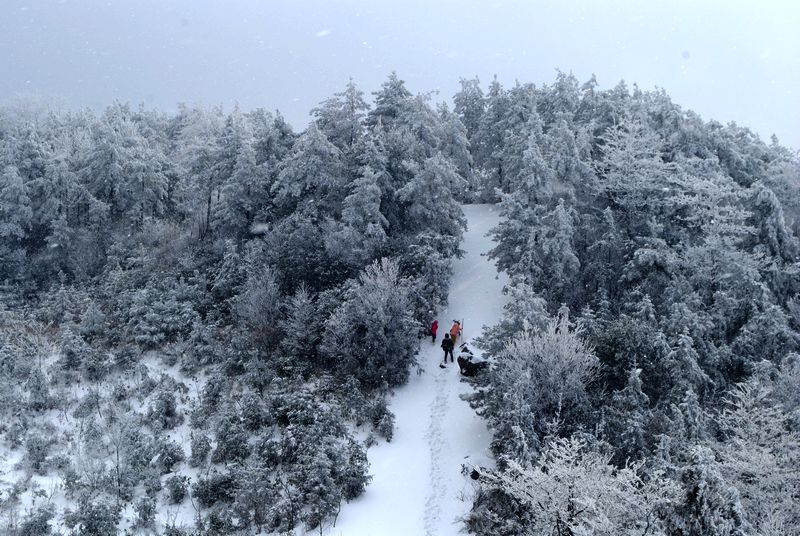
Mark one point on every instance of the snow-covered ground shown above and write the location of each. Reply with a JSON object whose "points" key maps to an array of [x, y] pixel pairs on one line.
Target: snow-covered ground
{"points": [[417, 486]]}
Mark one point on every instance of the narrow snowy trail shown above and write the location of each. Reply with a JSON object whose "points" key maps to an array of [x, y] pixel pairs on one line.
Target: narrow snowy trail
{"points": [[417, 487]]}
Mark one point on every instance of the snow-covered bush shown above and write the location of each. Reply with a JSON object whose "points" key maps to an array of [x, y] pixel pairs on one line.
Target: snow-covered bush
{"points": [[151, 481], [353, 476], [252, 412], [93, 519], [571, 489], [201, 448], [382, 418], [37, 448], [93, 323], [37, 523], [216, 487], [173, 530], [231, 441], [157, 317], [539, 378], [176, 489], [145, 512], [169, 453], [163, 413]]}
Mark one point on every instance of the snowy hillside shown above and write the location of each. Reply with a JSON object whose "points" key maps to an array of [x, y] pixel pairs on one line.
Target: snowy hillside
{"points": [[211, 324], [417, 485]]}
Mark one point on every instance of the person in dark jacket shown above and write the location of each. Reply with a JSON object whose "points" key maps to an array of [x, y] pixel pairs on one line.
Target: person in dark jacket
{"points": [[447, 346], [434, 329]]}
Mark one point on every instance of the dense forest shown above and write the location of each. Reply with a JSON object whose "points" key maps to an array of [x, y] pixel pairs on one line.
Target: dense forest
{"points": [[647, 374], [202, 313]]}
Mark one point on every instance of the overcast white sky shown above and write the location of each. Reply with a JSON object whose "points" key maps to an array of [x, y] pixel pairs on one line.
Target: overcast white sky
{"points": [[729, 60]]}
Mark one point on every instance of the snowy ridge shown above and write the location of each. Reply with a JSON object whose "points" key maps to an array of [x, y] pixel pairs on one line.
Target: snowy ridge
{"points": [[417, 486]]}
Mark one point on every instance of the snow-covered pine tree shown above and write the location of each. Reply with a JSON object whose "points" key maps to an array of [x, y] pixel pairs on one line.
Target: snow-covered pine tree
{"points": [[469, 105], [360, 236], [244, 194], [15, 221], [391, 102], [312, 171], [372, 334], [487, 140], [197, 150], [540, 376], [760, 454], [707, 504], [301, 334], [428, 199], [627, 420], [258, 305], [454, 146], [341, 117]]}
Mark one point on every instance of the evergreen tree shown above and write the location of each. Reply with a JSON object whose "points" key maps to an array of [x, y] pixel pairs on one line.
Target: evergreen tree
{"points": [[708, 505], [258, 305], [300, 327], [295, 248], [487, 141], [552, 259], [631, 175], [73, 350], [272, 137], [122, 170], [15, 220], [469, 105], [313, 170], [372, 334], [539, 377], [628, 420], [360, 236], [341, 117], [231, 273], [197, 150], [760, 456], [244, 193], [683, 367], [32, 154], [428, 199], [774, 235], [562, 99], [391, 102], [525, 311], [455, 147], [519, 121]]}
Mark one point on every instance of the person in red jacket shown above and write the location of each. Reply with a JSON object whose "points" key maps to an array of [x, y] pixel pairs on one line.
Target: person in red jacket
{"points": [[434, 329]]}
